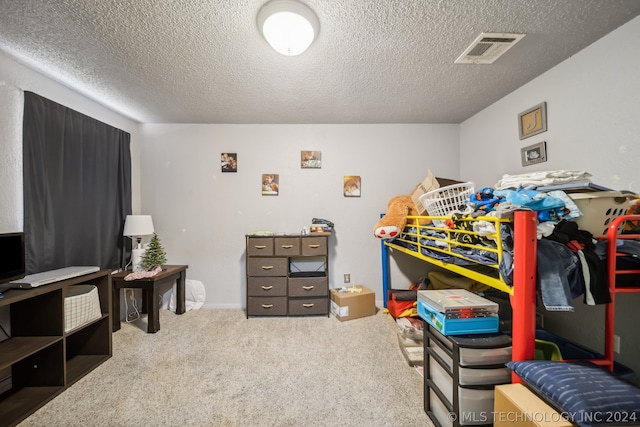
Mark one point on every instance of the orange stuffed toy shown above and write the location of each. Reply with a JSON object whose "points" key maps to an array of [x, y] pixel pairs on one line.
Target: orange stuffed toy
{"points": [[393, 222]]}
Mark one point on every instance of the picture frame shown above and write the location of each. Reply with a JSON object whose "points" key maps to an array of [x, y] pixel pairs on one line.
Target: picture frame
{"points": [[533, 154], [351, 186], [270, 184], [311, 159], [228, 162], [533, 121]]}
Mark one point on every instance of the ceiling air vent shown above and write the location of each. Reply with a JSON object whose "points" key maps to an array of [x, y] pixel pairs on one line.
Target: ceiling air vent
{"points": [[488, 47]]}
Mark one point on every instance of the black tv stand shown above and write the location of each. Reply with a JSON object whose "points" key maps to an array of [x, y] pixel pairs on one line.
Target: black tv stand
{"points": [[40, 357]]}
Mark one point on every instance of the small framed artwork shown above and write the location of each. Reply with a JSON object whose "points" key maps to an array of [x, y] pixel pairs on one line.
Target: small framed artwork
{"points": [[532, 154], [351, 186], [310, 159], [270, 184], [533, 121], [229, 162]]}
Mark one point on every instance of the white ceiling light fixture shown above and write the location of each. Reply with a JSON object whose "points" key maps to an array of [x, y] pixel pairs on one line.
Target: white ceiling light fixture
{"points": [[289, 26]]}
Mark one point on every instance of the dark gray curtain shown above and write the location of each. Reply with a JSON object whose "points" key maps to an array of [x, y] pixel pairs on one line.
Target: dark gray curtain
{"points": [[77, 187]]}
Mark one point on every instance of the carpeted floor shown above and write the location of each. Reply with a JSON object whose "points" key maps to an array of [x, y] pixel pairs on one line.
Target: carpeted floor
{"points": [[217, 368]]}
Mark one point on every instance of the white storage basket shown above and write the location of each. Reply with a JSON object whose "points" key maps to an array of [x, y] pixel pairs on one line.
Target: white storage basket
{"points": [[447, 200], [81, 306]]}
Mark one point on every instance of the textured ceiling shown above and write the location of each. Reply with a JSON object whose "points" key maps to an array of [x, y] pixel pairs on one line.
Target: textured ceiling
{"points": [[375, 61]]}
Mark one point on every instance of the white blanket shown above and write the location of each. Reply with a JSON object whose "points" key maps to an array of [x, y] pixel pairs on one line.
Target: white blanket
{"points": [[539, 179]]}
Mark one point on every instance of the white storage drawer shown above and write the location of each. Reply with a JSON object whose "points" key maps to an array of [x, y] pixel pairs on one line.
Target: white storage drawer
{"points": [[442, 354], [481, 376], [441, 379], [484, 356], [475, 406], [475, 352], [439, 410], [475, 356]]}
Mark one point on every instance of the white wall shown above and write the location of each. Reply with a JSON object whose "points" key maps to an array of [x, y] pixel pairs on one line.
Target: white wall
{"points": [[14, 80], [592, 110], [202, 215]]}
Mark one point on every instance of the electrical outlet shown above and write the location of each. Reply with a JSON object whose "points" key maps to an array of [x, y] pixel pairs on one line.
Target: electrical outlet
{"points": [[347, 278], [616, 344]]}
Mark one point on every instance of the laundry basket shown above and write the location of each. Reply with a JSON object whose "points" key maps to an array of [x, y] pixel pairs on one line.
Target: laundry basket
{"points": [[446, 200], [599, 209]]}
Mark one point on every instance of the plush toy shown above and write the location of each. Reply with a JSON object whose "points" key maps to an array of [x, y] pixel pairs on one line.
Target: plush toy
{"points": [[394, 221]]}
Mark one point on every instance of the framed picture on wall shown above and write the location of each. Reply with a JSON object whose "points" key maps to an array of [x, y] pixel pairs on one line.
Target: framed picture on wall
{"points": [[310, 159], [532, 154], [351, 186], [533, 121], [229, 162], [270, 184]]}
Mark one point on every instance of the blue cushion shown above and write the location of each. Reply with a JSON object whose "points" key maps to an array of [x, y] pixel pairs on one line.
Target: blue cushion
{"points": [[587, 394]]}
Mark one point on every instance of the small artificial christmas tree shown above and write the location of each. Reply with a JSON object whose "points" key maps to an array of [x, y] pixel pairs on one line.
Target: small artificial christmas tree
{"points": [[154, 255]]}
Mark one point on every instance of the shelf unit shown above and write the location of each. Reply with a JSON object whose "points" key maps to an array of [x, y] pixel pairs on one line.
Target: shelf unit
{"points": [[40, 358], [287, 275]]}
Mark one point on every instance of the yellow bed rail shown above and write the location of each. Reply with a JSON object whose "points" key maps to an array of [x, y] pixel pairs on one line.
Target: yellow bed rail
{"points": [[455, 233]]}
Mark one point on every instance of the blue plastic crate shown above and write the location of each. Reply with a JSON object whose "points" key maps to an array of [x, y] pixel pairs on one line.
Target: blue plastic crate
{"points": [[475, 325]]}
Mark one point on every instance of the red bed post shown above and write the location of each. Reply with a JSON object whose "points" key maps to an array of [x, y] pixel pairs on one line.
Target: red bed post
{"points": [[523, 300]]}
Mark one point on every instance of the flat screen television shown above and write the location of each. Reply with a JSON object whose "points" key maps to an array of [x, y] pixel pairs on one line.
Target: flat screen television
{"points": [[12, 256]]}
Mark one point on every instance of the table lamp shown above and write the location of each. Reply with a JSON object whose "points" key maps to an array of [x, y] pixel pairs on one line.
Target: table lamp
{"points": [[136, 226]]}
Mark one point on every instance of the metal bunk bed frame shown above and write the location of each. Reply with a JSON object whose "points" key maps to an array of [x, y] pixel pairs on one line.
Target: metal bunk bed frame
{"points": [[523, 292]]}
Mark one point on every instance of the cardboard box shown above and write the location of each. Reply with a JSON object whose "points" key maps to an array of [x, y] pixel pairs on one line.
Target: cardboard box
{"points": [[516, 405], [428, 184], [357, 302]]}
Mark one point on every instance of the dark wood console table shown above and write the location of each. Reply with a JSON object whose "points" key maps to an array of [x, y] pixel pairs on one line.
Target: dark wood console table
{"points": [[150, 292]]}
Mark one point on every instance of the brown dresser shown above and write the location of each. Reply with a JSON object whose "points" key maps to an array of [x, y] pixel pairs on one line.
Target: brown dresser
{"points": [[287, 275]]}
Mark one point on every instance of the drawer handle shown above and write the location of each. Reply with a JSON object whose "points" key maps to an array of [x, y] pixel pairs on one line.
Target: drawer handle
{"points": [[260, 246], [308, 288], [267, 267], [267, 288], [314, 246], [308, 305], [267, 305], [287, 246]]}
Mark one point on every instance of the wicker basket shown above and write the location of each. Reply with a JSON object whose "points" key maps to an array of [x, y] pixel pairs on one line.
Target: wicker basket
{"points": [[599, 208], [447, 200]]}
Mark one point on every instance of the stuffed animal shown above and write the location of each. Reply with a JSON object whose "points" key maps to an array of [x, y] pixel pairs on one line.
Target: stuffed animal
{"points": [[394, 221]]}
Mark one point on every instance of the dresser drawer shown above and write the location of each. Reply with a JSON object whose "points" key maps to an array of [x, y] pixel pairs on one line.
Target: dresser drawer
{"points": [[259, 246], [267, 306], [267, 286], [314, 246], [308, 286], [308, 306], [267, 266], [287, 246]]}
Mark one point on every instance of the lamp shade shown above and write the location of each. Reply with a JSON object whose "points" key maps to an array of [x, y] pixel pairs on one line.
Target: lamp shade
{"points": [[289, 26], [138, 225]]}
